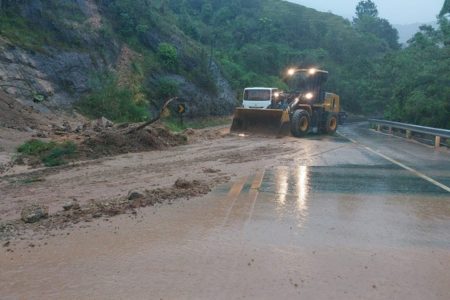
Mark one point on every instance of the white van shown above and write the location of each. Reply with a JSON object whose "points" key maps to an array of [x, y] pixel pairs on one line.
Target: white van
{"points": [[259, 97]]}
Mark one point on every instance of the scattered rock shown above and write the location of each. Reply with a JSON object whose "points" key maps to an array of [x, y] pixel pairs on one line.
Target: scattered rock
{"points": [[34, 213], [72, 205], [6, 244], [80, 128], [183, 184], [68, 206], [76, 205], [133, 195], [102, 123], [189, 131], [66, 126], [42, 134], [211, 171]]}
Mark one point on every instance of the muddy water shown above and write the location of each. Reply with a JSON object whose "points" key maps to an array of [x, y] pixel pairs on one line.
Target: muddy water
{"points": [[284, 232], [329, 220]]}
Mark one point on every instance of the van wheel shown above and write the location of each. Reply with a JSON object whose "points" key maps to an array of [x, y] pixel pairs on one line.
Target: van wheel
{"points": [[300, 123]]}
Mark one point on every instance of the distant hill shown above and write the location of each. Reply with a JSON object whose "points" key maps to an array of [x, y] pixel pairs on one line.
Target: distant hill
{"points": [[407, 31]]}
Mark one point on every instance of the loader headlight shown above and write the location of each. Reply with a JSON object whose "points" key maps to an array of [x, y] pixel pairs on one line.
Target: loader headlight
{"points": [[291, 72], [309, 96], [312, 71], [276, 94]]}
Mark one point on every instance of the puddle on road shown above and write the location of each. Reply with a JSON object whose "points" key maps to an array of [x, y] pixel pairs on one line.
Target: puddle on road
{"points": [[303, 180], [348, 205]]}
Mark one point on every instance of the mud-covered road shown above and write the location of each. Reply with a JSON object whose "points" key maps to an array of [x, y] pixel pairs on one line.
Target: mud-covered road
{"points": [[363, 217]]}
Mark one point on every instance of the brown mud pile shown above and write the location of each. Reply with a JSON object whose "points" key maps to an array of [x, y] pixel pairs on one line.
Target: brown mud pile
{"points": [[114, 141], [17, 116], [75, 213]]}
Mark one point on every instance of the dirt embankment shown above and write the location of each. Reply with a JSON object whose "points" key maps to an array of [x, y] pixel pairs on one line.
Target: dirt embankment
{"points": [[97, 182]]}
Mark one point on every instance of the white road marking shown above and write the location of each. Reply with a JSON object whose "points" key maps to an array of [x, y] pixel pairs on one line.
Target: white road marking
{"points": [[415, 172]]}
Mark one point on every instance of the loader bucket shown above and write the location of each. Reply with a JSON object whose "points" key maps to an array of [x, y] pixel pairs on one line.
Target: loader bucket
{"points": [[264, 121]]}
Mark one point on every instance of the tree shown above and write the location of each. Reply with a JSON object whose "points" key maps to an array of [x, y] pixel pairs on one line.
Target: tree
{"points": [[367, 21], [367, 8], [445, 9], [168, 55]]}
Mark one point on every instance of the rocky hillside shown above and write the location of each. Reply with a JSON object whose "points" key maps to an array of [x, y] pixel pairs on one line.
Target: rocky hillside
{"points": [[54, 53], [122, 58]]}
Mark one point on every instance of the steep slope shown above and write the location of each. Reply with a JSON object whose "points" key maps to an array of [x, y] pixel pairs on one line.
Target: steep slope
{"points": [[121, 57], [53, 53]]}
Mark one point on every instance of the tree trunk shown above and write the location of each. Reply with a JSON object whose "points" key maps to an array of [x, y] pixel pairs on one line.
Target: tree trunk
{"points": [[142, 126]]}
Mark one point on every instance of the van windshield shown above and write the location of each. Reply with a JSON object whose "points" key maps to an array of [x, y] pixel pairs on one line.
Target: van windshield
{"points": [[257, 95]]}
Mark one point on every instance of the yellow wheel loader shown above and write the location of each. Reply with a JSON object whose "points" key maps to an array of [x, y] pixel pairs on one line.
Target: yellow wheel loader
{"points": [[305, 108]]}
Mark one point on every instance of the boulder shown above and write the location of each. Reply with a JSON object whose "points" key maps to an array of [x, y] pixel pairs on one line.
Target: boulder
{"points": [[34, 213]]}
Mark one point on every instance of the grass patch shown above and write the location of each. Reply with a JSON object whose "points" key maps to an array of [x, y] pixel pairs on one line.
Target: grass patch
{"points": [[35, 147], [50, 154], [31, 180], [113, 102], [174, 123]]}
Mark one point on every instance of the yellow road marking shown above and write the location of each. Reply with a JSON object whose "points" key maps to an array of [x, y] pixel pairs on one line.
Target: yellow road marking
{"points": [[237, 187], [258, 180], [415, 172], [254, 192]]}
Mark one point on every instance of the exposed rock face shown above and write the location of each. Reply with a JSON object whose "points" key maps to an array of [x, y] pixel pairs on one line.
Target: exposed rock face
{"points": [[57, 74], [201, 103], [60, 77]]}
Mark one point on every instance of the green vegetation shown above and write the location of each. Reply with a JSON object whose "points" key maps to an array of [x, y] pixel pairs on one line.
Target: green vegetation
{"points": [[31, 180], [35, 147], [112, 101], [253, 42], [52, 26], [445, 9], [417, 79], [16, 29], [51, 154], [168, 56]]}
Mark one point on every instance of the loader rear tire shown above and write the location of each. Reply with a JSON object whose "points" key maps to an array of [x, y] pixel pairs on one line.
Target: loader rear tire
{"points": [[332, 124], [300, 123]]}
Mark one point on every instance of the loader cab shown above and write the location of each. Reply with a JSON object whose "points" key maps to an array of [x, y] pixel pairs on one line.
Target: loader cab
{"points": [[307, 84], [259, 97]]}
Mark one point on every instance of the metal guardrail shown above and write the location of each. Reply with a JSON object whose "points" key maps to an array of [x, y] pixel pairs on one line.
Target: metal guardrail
{"points": [[436, 132]]}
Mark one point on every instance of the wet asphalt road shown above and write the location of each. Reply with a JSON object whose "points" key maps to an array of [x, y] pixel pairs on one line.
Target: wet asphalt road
{"points": [[342, 223]]}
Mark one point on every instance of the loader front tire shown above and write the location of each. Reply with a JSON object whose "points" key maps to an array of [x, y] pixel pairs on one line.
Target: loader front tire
{"points": [[300, 123]]}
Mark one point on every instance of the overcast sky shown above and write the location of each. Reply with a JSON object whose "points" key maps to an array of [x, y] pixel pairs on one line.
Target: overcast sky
{"points": [[396, 11]]}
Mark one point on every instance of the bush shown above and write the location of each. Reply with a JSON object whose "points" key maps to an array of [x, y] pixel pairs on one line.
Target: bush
{"points": [[34, 147], [51, 154], [113, 102], [166, 89], [168, 56], [58, 155]]}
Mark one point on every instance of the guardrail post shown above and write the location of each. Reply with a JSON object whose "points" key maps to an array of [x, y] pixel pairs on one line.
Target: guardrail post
{"points": [[437, 142], [429, 132], [408, 134]]}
